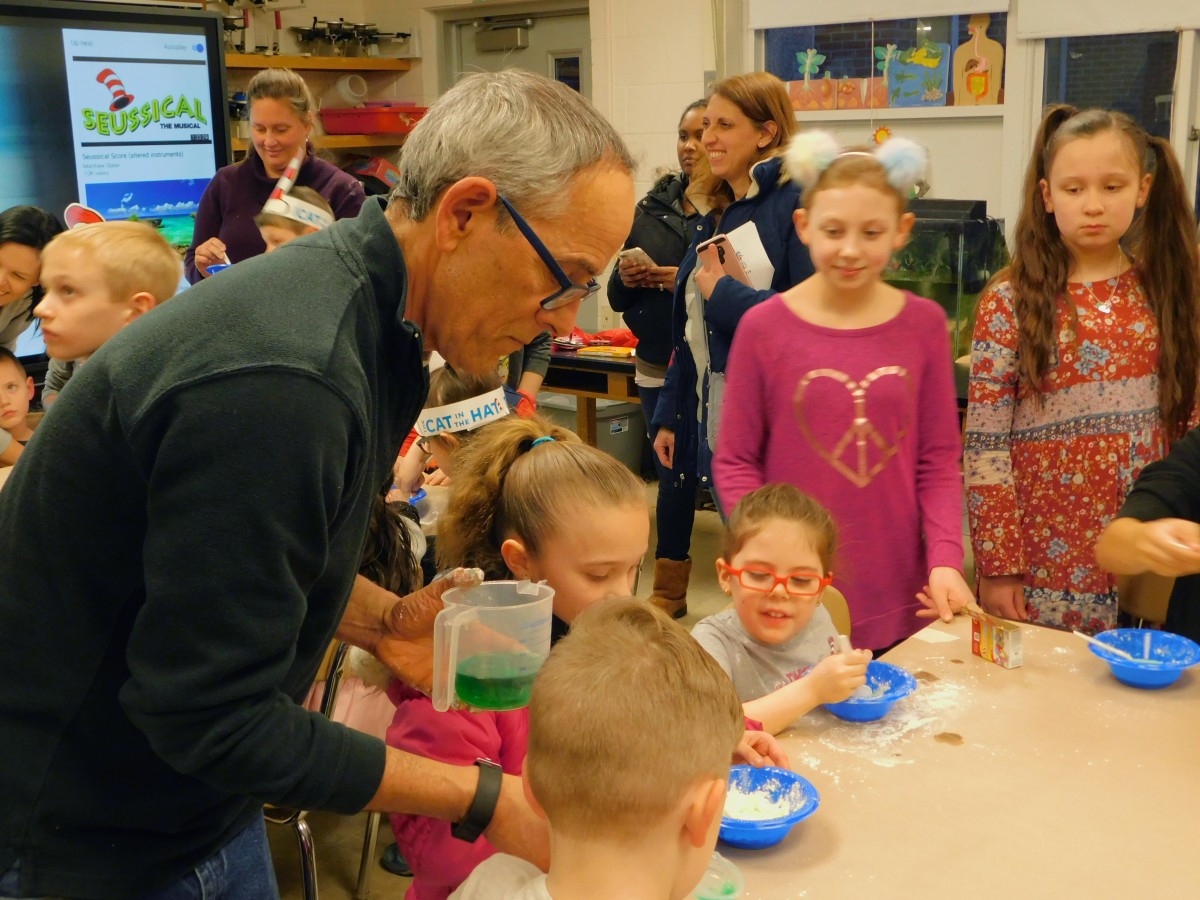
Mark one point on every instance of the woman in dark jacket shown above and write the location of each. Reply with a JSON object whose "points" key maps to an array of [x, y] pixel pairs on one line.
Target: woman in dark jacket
{"points": [[643, 295], [739, 184]]}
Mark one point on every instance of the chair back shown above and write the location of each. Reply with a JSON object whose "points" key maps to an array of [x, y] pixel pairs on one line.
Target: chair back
{"points": [[1145, 597], [835, 604]]}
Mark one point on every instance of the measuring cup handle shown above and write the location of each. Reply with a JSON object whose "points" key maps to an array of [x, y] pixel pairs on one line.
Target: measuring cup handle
{"points": [[445, 652]]}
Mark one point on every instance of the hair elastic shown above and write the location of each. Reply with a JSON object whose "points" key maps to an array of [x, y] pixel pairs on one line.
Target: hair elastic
{"points": [[540, 440]]}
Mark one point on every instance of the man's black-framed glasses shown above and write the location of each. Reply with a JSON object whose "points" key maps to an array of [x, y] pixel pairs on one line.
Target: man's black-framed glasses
{"points": [[569, 291]]}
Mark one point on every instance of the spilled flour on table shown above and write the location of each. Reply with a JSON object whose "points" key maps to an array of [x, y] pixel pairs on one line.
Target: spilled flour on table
{"points": [[924, 713]]}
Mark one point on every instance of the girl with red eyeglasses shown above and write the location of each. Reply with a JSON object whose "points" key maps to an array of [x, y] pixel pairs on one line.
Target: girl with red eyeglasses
{"points": [[778, 642]]}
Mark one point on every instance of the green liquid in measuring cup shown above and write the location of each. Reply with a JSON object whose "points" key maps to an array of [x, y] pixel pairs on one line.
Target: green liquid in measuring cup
{"points": [[496, 680]]}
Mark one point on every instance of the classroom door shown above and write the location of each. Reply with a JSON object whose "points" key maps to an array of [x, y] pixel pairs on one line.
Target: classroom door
{"points": [[557, 44]]}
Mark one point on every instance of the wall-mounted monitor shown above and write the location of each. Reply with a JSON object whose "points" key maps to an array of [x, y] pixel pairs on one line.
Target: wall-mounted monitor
{"points": [[120, 108]]}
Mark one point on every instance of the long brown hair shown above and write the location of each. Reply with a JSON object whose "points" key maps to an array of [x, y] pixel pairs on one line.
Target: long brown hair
{"points": [[1161, 241], [505, 485], [762, 98]]}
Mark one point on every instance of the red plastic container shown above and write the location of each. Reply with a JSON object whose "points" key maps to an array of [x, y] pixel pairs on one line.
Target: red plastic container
{"points": [[377, 117]]}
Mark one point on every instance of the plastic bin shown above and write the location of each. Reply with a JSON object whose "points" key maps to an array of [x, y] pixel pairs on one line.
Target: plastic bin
{"points": [[620, 430], [376, 117]]}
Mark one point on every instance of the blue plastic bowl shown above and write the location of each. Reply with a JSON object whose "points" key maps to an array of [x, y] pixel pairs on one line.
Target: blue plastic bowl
{"points": [[218, 267], [888, 684], [751, 834], [1172, 654]]}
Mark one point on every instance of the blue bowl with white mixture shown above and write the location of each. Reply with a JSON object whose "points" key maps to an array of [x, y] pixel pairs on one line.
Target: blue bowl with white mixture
{"points": [[886, 684], [763, 804], [1169, 654]]}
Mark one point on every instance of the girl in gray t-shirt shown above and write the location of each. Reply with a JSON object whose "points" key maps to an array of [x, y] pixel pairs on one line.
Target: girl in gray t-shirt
{"points": [[777, 642]]}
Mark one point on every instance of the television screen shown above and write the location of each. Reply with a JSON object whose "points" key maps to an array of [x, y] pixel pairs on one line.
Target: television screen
{"points": [[119, 108]]}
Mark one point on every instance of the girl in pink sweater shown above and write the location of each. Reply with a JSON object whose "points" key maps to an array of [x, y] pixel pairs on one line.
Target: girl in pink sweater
{"points": [[843, 386]]}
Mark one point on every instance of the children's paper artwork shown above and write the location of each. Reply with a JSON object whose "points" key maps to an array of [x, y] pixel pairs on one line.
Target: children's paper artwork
{"points": [[919, 76], [812, 92], [978, 66], [861, 93]]}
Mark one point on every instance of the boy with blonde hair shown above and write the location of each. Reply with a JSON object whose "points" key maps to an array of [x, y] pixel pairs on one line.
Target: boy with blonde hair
{"points": [[97, 279], [299, 212], [630, 776]]}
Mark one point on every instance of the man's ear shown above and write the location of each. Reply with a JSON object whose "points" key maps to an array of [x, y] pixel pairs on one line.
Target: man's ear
{"points": [[516, 557], [706, 803], [461, 209]]}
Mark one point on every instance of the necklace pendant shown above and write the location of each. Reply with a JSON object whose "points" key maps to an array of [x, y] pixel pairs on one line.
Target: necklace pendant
{"points": [[1105, 307]]}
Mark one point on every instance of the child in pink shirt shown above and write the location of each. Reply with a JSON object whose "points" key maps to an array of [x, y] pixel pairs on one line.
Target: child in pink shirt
{"points": [[843, 386]]}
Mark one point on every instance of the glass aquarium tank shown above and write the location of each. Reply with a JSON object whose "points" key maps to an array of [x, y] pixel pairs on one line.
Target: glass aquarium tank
{"points": [[953, 251]]}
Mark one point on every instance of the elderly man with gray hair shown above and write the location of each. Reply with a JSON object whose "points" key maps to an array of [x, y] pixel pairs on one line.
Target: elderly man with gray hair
{"points": [[183, 533]]}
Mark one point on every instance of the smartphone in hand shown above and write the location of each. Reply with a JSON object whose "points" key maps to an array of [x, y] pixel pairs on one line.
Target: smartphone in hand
{"points": [[636, 255], [717, 255]]}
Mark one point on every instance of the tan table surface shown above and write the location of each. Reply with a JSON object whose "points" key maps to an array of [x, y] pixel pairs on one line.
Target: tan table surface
{"points": [[1049, 780]]}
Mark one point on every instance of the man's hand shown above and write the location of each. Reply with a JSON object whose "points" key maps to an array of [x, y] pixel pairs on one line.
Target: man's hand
{"points": [[406, 647]]}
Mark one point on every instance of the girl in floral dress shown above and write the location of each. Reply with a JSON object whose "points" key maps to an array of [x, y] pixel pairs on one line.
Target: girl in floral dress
{"points": [[1084, 365]]}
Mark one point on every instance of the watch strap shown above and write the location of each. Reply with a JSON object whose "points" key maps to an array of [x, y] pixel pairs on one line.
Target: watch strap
{"points": [[483, 806]]}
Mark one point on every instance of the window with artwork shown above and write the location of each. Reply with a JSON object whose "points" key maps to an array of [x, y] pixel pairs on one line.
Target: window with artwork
{"points": [[940, 61]]}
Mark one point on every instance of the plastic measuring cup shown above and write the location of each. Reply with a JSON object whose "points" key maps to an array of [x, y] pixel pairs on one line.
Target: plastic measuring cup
{"points": [[489, 642]]}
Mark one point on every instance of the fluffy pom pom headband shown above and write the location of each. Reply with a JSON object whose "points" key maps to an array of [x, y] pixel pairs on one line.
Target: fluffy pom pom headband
{"points": [[812, 152]]}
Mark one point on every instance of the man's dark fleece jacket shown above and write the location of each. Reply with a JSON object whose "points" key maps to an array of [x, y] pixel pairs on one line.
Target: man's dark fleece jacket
{"points": [[182, 534]]}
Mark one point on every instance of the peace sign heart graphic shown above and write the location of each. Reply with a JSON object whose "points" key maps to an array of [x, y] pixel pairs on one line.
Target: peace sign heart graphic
{"points": [[851, 454]]}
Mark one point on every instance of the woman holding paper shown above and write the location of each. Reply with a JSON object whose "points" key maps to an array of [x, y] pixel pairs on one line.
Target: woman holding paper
{"points": [[281, 120], [742, 192]]}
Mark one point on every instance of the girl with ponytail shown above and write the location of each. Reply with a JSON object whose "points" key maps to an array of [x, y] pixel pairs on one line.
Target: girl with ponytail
{"points": [[528, 500], [843, 386], [1085, 364]]}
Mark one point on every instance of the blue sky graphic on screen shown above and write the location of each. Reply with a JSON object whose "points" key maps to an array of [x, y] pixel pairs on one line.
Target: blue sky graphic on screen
{"points": [[172, 202]]}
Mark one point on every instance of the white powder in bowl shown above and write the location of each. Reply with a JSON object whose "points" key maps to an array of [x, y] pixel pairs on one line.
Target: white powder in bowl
{"points": [[756, 806]]}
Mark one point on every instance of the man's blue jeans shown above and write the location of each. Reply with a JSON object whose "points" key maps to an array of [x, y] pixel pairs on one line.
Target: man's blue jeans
{"points": [[241, 870]]}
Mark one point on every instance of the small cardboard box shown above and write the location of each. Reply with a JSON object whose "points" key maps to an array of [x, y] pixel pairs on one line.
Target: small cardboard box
{"points": [[996, 640]]}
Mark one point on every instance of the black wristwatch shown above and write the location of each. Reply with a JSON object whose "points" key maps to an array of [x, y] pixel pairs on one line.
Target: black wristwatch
{"points": [[483, 807]]}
